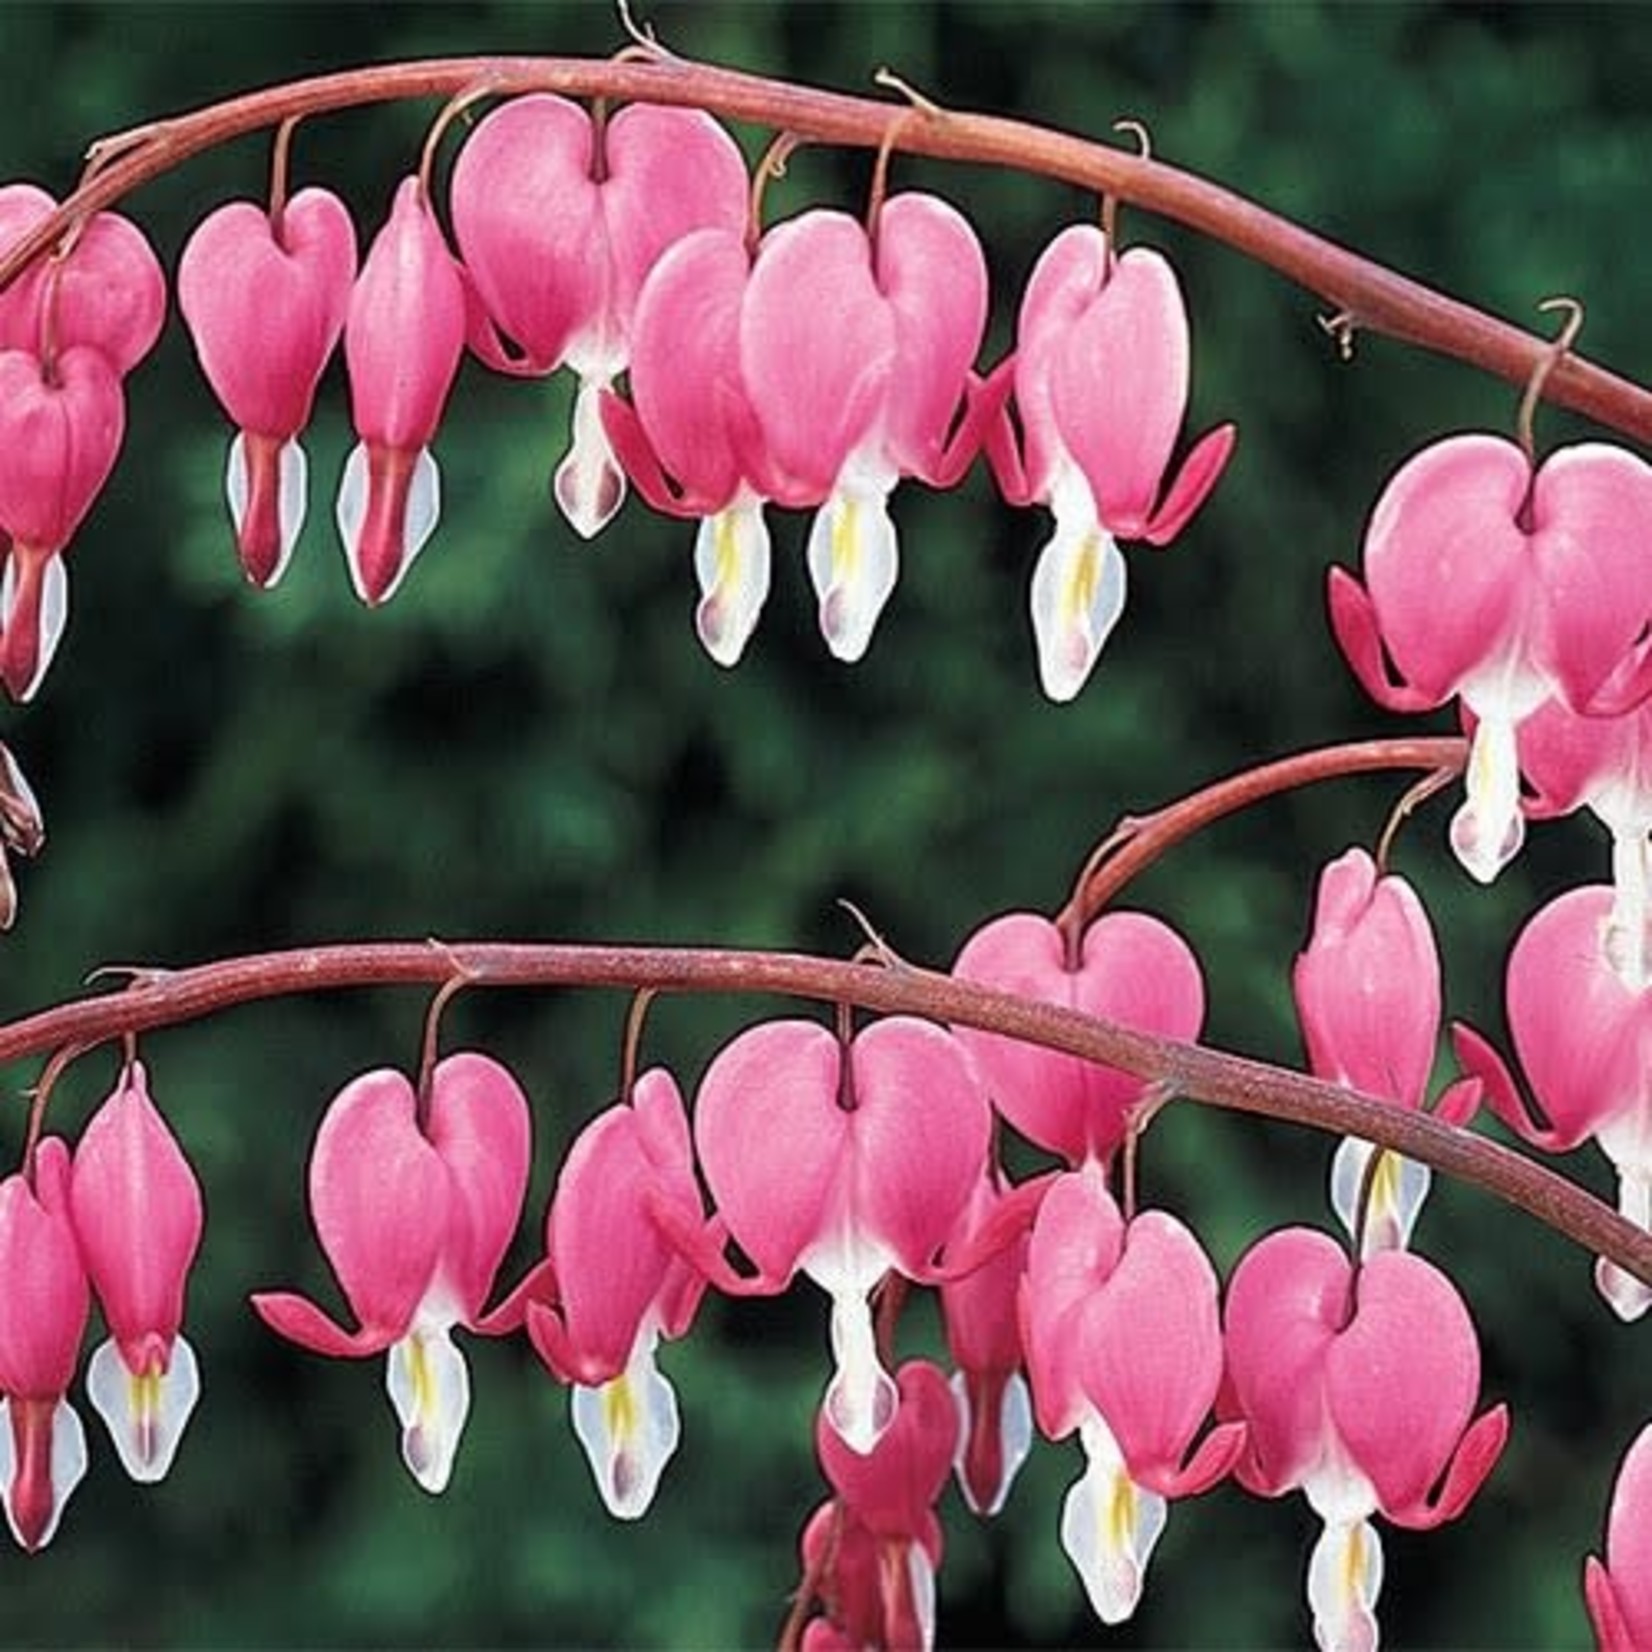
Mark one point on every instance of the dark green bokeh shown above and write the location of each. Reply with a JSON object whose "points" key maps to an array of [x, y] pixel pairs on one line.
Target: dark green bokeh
{"points": [[529, 743]]}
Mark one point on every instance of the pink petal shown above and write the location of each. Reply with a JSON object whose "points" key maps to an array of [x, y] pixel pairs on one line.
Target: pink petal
{"points": [[817, 348], [44, 1307], [1401, 1379], [111, 293], [772, 1138], [1367, 987], [1118, 388], [1134, 970], [22, 206], [1199, 473], [137, 1213], [929, 266], [480, 1127], [379, 1197], [1449, 521], [1358, 633], [527, 219], [238, 277], [1620, 1593]]}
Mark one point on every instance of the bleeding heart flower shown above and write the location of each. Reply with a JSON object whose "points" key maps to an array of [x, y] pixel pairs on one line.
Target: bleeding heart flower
{"points": [[1367, 991], [60, 432], [43, 1312], [137, 1215], [284, 281], [1133, 969], [1358, 1383], [414, 1204], [1581, 1032], [403, 338], [559, 222], [1506, 587], [846, 1164], [1101, 384], [612, 1285], [1124, 1344], [1619, 1593]]}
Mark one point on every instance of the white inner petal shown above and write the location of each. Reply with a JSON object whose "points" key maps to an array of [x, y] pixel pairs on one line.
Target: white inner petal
{"points": [[145, 1414]]}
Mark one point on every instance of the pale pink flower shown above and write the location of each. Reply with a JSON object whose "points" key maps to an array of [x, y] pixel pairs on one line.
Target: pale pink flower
{"points": [[1619, 1592]]}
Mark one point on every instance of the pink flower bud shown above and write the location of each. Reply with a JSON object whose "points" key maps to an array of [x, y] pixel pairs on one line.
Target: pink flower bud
{"points": [[286, 284], [402, 341]]}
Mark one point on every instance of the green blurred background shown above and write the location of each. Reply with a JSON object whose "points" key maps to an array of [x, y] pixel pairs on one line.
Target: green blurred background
{"points": [[529, 743]]}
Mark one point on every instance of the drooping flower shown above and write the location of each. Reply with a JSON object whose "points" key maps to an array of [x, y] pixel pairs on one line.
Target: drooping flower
{"points": [[60, 432], [1367, 991], [1101, 385], [22, 829], [612, 1285], [983, 1331], [873, 1553], [559, 222], [1506, 587], [1581, 1032], [43, 1312], [105, 291], [1124, 1344], [137, 1215], [403, 337], [414, 1207], [1619, 1592], [285, 282], [1133, 969], [844, 1164], [816, 375], [1358, 1383]]}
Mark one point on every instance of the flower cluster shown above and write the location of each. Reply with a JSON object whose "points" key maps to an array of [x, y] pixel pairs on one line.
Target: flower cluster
{"points": [[812, 366]]}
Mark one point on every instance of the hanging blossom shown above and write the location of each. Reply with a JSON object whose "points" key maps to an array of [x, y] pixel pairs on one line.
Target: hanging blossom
{"points": [[283, 278], [22, 829], [1581, 1032], [983, 1334], [873, 1552], [404, 333], [137, 1214], [816, 374], [844, 1163], [1124, 1344], [1101, 383], [1619, 1592], [559, 221], [43, 1313], [1367, 990], [1505, 587], [71, 327], [1603, 764], [1131, 969], [1358, 1382], [612, 1284], [414, 1206]]}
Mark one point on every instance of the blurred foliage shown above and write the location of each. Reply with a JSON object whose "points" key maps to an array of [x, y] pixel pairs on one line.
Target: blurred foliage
{"points": [[529, 743]]}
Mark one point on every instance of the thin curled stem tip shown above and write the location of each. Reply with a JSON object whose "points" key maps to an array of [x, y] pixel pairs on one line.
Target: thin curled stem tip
{"points": [[1130, 127], [875, 946], [642, 37], [459, 104], [1545, 366], [771, 165], [921, 103], [1410, 800]]}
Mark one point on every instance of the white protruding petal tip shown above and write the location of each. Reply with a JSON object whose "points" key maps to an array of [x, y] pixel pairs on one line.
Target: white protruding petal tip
{"points": [[731, 562], [66, 1460], [291, 502], [854, 562], [589, 484], [1015, 1432], [861, 1398], [1488, 829], [429, 1387], [51, 618], [629, 1428], [146, 1414], [1344, 1580], [1078, 590], [382, 536], [1398, 1188], [1109, 1526]]}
